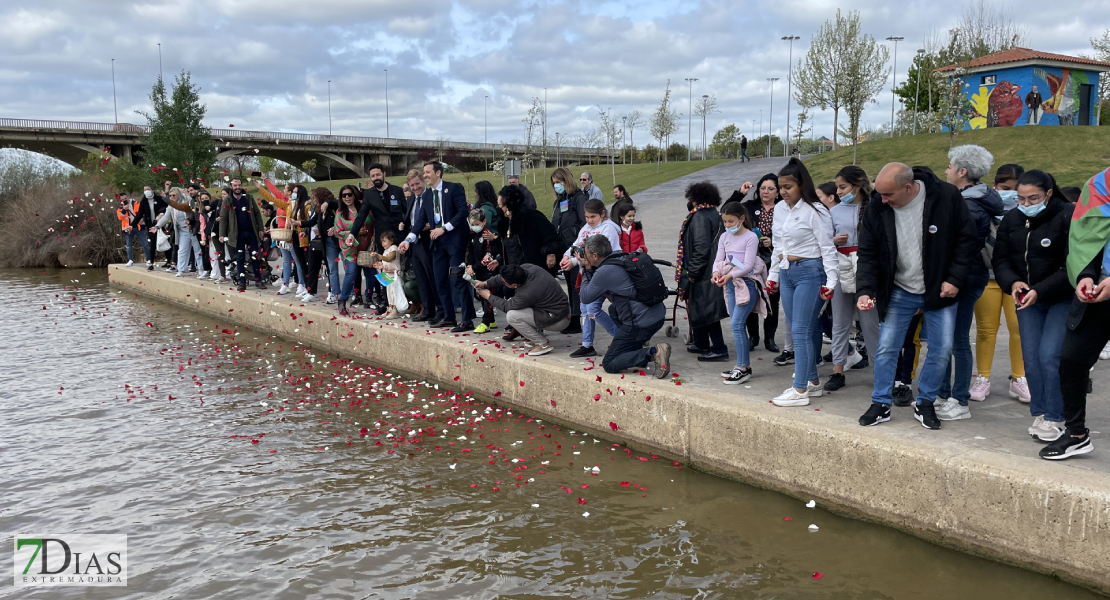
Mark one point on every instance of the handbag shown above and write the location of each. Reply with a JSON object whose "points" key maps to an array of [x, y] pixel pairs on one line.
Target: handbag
{"points": [[364, 258], [163, 241]]}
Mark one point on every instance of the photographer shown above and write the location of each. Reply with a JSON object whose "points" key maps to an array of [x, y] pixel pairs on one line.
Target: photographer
{"points": [[537, 303], [605, 276]]}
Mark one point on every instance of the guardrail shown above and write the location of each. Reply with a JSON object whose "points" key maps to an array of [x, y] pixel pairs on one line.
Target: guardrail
{"points": [[243, 134]]}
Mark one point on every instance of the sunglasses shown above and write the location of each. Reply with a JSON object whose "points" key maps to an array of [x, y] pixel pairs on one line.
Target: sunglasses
{"points": [[583, 180], [347, 195]]}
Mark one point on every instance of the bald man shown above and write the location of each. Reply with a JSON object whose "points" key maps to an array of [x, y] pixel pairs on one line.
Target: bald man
{"points": [[916, 248]]}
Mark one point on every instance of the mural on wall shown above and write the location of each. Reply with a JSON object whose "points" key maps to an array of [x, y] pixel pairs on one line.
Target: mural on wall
{"points": [[1000, 107], [1063, 97], [1030, 95]]}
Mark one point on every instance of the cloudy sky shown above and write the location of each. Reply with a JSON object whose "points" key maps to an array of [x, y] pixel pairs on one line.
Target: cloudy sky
{"points": [[265, 64]]}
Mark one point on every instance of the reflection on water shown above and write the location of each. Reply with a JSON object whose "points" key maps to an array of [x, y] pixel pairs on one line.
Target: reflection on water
{"points": [[243, 466]]}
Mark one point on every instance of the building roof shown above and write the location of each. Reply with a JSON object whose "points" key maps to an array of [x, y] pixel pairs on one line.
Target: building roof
{"points": [[1014, 55]]}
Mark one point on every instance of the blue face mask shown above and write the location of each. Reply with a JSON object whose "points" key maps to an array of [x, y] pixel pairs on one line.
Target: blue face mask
{"points": [[1032, 211], [848, 198], [559, 189], [1008, 196], [733, 230], [293, 196]]}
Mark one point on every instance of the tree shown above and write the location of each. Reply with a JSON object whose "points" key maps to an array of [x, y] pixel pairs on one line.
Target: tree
{"points": [[804, 126], [819, 79], [664, 122], [726, 142], [609, 132], [707, 107], [632, 120], [1102, 52], [866, 76], [177, 137], [267, 165]]}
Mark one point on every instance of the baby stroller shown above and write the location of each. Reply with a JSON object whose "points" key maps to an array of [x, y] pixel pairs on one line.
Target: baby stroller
{"points": [[672, 329]]}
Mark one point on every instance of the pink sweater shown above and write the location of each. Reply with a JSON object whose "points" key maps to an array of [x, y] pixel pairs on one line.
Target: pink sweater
{"points": [[738, 255]]}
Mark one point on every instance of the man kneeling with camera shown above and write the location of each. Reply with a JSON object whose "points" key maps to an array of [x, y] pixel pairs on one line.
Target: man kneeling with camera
{"points": [[610, 275], [537, 303]]}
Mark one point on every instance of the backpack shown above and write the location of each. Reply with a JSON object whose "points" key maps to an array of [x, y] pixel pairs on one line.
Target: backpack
{"points": [[987, 253], [645, 276]]}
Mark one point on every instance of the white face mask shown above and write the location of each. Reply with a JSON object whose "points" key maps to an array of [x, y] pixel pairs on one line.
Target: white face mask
{"points": [[148, 193], [476, 228], [293, 197]]}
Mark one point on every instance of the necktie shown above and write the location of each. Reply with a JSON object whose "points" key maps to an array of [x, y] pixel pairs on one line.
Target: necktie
{"points": [[436, 205]]}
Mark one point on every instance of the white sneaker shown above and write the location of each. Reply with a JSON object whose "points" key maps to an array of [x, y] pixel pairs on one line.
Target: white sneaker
{"points": [[853, 360], [307, 298], [791, 397], [1104, 355], [1045, 430], [130, 263], [1019, 389], [540, 350], [330, 299], [301, 290], [815, 390], [180, 274], [283, 290], [980, 388], [202, 275], [951, 410]]}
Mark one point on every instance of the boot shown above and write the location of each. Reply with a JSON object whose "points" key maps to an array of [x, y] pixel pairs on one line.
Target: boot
{"points": [[343, 308]]}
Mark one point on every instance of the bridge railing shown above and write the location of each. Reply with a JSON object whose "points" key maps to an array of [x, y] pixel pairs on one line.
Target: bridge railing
{"points": [[276, 136]]}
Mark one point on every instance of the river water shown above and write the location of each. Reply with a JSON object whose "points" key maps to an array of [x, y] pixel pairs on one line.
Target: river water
{"points": [[244, 466]]}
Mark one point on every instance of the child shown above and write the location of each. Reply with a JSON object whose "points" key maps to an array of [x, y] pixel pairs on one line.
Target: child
{"points": [[632, 233], [481, 252], [596, 224], [739, 270], [388, 263]]}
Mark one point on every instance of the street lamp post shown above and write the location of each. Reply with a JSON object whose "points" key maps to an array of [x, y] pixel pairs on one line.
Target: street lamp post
{"points": [[544, 132], [894, 39], [329, 107], [485, 120], [386, 102], [917, 93], [558, 160], [704, 108], [624, 127], [159, 60], [771, 113], [760, 123], [115, 109], [690, 117], [789, 87]]}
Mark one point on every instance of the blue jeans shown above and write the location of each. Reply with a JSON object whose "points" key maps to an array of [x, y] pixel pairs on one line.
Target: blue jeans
{"points": [[801, 300], [627, 348], [289, 258], [592, 312], [960, 389], [331, 253], [186, 243], [744, 154], [940, 324], [1042, 328], [738, 318], [130, 236], [350, 268]]}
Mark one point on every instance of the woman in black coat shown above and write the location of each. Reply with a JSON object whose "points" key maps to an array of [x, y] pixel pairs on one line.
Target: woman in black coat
{"points": [[1030, 263], [697, 247]]}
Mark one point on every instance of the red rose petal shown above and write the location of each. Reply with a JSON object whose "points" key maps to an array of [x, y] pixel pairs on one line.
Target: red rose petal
{"points": [[521, 384], [625, 484], [818, 575], [581, 500], [613, 426]]}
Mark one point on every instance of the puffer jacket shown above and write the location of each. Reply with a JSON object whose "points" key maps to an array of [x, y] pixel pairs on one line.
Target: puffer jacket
{"points": [[984, 204], [1035, 251], [569, 215]]}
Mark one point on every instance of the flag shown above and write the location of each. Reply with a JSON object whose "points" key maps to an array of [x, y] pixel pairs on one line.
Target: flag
{"points": [[384, 279], [1090, 226]]}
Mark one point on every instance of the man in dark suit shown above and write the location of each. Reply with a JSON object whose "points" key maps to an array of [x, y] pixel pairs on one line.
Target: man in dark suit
{"points": [[420, 241], [386, 203], [445, 210]]}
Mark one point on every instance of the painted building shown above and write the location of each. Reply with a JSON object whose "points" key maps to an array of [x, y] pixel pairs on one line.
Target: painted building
{"points": [[1020, 86]]}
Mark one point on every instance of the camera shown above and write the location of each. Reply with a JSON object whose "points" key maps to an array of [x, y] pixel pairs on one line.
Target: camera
{"points": [[578, 251]]}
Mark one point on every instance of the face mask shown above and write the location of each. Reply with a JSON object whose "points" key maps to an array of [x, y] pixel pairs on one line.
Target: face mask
{"points": [[148, 193], [476, 228], [1008, 196], [293, 197], [848, 199], [1032, 211], [559, 189], [733, 230]]}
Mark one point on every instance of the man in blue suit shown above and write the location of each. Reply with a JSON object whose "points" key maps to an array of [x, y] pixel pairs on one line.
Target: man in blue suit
{"points": [[419, 241], [445, 210]]}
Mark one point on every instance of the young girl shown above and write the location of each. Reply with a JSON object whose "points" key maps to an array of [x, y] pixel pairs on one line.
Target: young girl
{"points": [[388, 263], [596, 224], [632, 232], [481, 253], [739, 270], [804, 258], [826, 193]]}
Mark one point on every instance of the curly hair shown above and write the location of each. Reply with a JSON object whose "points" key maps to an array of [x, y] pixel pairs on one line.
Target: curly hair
{"points": [[322, 195], [703, 193], [511, 197]]}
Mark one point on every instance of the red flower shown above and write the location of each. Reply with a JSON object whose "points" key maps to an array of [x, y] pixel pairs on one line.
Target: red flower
{"points": [[613, 426], [818, 575], [581, 500]]}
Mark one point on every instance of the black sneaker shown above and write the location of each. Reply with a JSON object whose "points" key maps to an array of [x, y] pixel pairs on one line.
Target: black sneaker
{"points": [[738, 376], [583, 352], [903, 395], [835, 382], [827, 357], [876, 413], [862, 364], [786, 358], [926, 415], [1067, 446]]}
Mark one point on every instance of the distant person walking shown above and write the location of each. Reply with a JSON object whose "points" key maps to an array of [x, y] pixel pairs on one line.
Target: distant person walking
{"points": [[744, 149], [1033, 102]]}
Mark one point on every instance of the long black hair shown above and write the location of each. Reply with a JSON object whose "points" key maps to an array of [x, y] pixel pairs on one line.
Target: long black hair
{"points": [[797, 171], [343, 206], [772, 178], [485, 193], [297, 207], [856, 176], [1043, 180]]}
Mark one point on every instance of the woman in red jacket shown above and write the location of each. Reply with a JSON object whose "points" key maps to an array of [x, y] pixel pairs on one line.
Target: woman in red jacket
{"points": [[632, 233]]}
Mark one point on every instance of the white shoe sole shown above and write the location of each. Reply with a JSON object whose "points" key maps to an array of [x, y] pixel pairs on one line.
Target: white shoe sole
{"points": [[959, 417], [1018, 397], [1086, 449], [1036, 436], [877, 421]]}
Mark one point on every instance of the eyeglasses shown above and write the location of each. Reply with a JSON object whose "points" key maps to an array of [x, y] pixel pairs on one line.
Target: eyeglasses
{"points": [[583, 180], [346, 195], [1030, 200]]}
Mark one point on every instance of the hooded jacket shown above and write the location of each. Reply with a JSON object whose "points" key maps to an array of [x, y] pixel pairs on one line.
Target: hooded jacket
{"points": [[983, 204], [1035, 251], [949, 245]]}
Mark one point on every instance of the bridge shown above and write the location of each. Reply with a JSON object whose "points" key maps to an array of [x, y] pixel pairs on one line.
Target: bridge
{"points": [[336, 156]]}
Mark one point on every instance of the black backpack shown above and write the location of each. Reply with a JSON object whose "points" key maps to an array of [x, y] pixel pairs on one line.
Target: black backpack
{"points": [[645, 276]]}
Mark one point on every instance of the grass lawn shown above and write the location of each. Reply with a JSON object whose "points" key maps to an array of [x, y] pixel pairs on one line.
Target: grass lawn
{"points": [[635, 178], [1071, 154]]}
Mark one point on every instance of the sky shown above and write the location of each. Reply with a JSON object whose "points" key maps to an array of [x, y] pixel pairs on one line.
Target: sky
{"points": [[265, 64]]}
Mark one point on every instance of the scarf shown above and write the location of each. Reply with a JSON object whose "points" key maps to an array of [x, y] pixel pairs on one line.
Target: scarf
{"points": [[681, 235], [1090, 227]]}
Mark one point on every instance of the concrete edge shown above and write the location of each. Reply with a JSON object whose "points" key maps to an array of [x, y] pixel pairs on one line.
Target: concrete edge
{"points": [[1048, 517]]}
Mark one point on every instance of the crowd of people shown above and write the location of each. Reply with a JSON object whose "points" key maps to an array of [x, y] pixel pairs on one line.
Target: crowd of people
{"points": [[872, 266]]}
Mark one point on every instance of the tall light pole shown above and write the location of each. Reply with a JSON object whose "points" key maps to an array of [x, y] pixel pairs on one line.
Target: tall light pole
{"points": [[690, 117], [485, 120], [558, 162], [704, 108], [894, 39], [159, 60], [115, 110], [917, 93], [544, 132], [771, 113], [760, 123], [386, 102], [329, 107], [789, 87]]}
